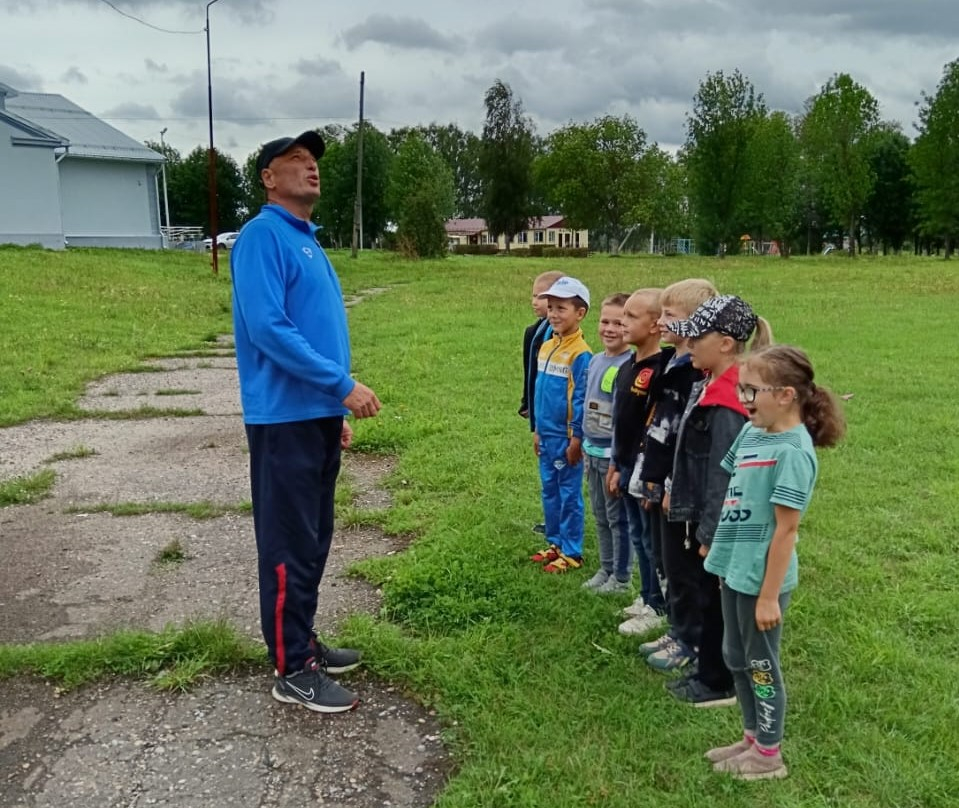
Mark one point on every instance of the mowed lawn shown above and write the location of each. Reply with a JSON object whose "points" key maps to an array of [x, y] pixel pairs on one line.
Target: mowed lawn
{"points": [[544, 703]]}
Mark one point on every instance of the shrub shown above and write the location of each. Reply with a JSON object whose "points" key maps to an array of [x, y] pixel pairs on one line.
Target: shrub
{"points": [[565, 252], [420, 233], [475, 249]]}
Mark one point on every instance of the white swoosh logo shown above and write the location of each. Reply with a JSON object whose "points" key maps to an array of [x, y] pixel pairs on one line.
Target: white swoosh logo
{"points": [[306, 694]]}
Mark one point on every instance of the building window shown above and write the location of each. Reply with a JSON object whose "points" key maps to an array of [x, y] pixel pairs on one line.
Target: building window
{"points": [[538, 236], [552, 236], [522, 238]]}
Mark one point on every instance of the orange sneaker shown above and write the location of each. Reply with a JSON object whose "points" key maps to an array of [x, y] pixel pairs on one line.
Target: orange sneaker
{"points": [[564, 563], [551, 553]]}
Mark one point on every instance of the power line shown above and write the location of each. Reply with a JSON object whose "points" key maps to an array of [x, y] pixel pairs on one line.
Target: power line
{"points": [[144, 22]]}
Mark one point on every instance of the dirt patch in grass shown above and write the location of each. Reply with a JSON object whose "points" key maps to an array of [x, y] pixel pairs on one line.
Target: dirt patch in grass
{"points": [[70, 574]]}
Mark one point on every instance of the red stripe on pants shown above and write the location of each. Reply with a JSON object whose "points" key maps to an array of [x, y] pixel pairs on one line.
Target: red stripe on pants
{"points": [[278, 618]]}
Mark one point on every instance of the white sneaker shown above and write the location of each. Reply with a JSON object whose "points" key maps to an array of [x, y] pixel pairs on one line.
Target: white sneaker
{"points": [[641, 624], [636, 608], [599, 578]]}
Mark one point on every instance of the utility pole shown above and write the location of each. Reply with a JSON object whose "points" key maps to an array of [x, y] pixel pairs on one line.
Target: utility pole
{"points": [[358, 204], [166, 199], [211, 177]]}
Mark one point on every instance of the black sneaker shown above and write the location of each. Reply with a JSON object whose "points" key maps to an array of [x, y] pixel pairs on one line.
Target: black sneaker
{"points": [[701, 695], [679, 682], [337, 660], [316, 691], [539, 528]]}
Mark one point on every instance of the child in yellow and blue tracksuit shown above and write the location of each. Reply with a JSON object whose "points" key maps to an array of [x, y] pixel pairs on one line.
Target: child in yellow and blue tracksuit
{"points": [[559, 395]]}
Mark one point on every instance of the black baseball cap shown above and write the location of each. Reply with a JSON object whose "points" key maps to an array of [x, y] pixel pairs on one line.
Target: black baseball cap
{"points": [[313, 141], [727, 314]]}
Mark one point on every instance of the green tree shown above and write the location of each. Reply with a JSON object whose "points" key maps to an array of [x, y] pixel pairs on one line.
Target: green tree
{"points": [[420, 231], [935, 160], [663, 210], [889, 208], [835, 133], [506, 163], [334, 211], [254, 196], [770, 207], [420, 196], [595, 174], [188, 186], [460, 150], [718, 132]]}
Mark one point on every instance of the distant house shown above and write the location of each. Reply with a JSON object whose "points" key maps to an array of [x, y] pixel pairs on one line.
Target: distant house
{"points": [[68, 178], [550, 231]]}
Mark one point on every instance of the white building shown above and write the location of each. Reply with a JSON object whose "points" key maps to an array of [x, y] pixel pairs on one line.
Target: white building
{"points": [[68, 178]]}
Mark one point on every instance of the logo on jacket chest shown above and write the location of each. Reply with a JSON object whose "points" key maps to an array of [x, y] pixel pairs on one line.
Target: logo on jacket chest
{"points": [[641, 382]]}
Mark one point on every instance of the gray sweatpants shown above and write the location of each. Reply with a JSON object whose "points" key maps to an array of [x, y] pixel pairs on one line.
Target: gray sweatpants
{"points": [[753, 658], [612, 531]]}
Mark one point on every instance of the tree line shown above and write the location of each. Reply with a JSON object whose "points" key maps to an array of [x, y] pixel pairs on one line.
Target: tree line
{"points": [[834, 174]]}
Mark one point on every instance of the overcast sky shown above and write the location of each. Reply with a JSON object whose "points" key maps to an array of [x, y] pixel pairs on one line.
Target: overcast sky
{"points": [[281, 66]]}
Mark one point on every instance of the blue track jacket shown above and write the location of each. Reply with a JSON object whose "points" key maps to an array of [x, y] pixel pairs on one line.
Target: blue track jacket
{"points": [[561, 386], [289, 321]]}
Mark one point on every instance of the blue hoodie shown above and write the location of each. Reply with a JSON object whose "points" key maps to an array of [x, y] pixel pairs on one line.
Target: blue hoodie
{"points": [[289, 321]]}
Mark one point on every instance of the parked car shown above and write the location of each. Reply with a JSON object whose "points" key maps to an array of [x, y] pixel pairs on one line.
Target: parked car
{"points": [[224, 241], [191, 244]]}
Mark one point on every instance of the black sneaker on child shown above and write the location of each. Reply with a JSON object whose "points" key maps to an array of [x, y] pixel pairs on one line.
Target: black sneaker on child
{"points": [[702, 695], [335, 660], [316, 691], [679, 682]]}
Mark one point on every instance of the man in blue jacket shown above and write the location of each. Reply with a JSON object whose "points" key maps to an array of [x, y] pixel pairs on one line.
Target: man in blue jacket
{"points": [[293, 357]]}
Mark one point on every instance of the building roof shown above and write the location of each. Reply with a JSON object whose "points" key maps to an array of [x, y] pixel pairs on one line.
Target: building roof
{"points": [[87, 135], [470, 227], [465, 227], [547, 222]]}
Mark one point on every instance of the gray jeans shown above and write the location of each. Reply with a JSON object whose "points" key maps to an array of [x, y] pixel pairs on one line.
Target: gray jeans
{"points": [[611, 530], [752, 657]]}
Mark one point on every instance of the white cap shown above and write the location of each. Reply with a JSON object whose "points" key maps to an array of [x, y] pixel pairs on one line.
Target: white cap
{"points": [[568, 287]]}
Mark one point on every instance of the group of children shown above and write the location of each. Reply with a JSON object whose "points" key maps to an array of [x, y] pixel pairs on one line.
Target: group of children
{"points": [[699, 461]]}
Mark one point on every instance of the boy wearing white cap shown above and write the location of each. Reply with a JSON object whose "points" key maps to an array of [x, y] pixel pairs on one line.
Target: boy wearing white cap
{"points": [[559, 396]]}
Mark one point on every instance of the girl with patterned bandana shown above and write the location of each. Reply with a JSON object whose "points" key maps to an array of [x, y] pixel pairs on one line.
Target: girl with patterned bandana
{"points": [[773, 470]]}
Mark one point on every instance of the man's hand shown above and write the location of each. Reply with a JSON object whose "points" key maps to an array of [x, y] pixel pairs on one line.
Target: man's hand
{"points": [[346, 436], [362, 402], [574, 452], [536, 444]]}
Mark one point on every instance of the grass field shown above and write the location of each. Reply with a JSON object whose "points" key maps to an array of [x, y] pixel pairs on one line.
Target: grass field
{"points": [[544, 703]]}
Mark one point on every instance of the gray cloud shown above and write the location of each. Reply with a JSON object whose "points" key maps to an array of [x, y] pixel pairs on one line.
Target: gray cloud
{"points": [[933, 19], [74, 75], [399, 32], [131, 111], [518, 35], [248, 11], [155, 67], [27, 81], [316, 68], [294, 98], [839, 19]]}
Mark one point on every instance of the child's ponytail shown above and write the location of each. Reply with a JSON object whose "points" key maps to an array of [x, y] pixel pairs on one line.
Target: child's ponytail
{"points": [[786, 366], [823, 416], [762, 336]]}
